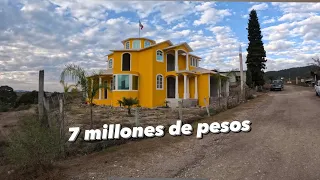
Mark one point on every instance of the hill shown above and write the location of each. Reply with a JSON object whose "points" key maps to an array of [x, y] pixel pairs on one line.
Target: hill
{"points": [[292, 73]]}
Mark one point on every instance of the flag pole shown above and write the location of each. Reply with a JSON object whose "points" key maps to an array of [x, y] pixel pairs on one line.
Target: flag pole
{"points": [[139, 27]]}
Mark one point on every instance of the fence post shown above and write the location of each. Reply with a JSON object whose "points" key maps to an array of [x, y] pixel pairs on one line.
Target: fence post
{"points": [[207, 106], [180, 110], [61, 111], [41, 109], [136, 113]]}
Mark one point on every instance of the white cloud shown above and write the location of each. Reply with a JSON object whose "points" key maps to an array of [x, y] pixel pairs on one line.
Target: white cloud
{"points": [[268, 21], [210, 15], [259, 7]]}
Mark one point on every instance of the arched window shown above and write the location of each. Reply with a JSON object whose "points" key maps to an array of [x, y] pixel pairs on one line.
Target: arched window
{"points": [[159, 82], [159, 55], [126, 62], [128, 45], [146, 43], [110, 64]]}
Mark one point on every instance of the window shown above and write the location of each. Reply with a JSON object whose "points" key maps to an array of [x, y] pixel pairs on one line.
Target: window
{"points": [[159, 82], [159, 55], [136, 44], [105, 89], [110, 64], [194, 62], [146, 43], [128, 45], [126, 62], [123, 82], [111, 85], [135, 82], [114, 82]]}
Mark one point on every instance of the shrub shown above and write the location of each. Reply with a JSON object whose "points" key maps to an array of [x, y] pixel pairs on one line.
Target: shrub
{"points": [[129, 102], [33, 146], [28, 98]]}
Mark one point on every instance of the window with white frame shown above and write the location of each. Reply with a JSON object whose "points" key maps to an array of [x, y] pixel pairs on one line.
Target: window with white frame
{"points": [[126, 82], [146, 43], [159, 82], [128, 45], [136, 44], [159, 55], [110, 64], [123, 82]]}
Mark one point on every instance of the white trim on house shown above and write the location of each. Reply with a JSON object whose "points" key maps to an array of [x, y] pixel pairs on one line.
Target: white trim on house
{"points": [[130, 82], [111, 63], [162, 82], [157, 55], [125, 45]]}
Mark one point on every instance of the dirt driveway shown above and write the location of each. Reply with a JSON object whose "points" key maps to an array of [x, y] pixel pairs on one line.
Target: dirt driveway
{"points": [[284, 143]]}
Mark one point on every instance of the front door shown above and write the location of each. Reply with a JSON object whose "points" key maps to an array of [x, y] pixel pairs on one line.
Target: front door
{"points": [[171, 87]]}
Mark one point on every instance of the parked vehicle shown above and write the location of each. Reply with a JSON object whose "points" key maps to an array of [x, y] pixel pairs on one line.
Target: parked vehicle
{"points": [[317, 88], [276, 85]]}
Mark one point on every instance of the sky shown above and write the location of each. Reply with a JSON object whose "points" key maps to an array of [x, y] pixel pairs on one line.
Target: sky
{"points": [[49, 34]]}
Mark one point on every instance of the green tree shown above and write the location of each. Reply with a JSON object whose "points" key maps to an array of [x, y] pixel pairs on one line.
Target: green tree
{"points": [[7, 98], [256, 57], [83, 80], [129, 102], [28, 98]]}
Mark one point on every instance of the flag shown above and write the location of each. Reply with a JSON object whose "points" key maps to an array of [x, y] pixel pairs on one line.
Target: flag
{"points": [[140, 25]]}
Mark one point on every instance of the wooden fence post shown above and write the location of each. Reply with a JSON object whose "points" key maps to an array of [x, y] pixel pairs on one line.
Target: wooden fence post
{"points": [[41, 108], [61, 111], [137, 117], [207, 106], [180, 110]]}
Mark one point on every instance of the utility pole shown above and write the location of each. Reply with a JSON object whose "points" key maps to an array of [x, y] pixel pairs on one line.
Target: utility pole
{"points": [[241, 70]]}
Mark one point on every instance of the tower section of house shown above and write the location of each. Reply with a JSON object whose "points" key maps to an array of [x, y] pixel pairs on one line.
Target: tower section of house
{"points": [[154, 73]]}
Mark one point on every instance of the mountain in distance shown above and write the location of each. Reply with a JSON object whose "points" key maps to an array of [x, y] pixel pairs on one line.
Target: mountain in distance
{"points": [[292, 73]]}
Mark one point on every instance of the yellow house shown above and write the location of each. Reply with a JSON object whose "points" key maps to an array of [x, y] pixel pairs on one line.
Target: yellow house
{"points": [[156, 72]]}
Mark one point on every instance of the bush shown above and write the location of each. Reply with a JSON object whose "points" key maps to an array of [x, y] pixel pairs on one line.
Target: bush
{"points": [[33, 146], [28, 98]]}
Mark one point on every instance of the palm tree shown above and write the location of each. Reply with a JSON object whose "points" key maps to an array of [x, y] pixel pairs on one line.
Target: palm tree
{"points": [[129, 102], [81, 78]]}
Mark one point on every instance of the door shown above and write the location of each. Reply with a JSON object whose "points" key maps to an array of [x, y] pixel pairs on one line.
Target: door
{"points": [[171, 87]]}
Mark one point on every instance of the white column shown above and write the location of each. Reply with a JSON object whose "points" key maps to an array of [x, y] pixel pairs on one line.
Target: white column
{"points": [[100, 93], [177, 87], [196, 87], [227, 88], [176, 60], [185, 87], [187, 59], [188, 88]]}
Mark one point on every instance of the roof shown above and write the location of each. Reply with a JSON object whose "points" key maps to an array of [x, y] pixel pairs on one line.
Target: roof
{"points": [[232, 71], [136, 50], [138, 38], [203, 71], [195, 56], [184, 44], [104, 72]]}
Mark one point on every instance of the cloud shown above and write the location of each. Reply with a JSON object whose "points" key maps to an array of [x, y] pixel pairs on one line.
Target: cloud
{"points": [[209, 14], [259, 7], [268, 21]]}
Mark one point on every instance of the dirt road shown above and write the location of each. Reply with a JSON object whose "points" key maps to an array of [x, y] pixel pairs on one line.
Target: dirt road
{"points": [[284, 143]]}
